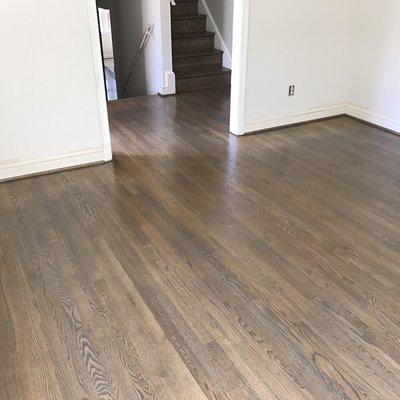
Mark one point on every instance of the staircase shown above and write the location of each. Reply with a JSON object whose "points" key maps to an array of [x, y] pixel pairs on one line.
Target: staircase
{"points": [[196, 63]]}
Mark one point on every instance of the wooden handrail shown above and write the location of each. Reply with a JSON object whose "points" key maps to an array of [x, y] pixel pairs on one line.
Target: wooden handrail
{"points": [[143, 43]]}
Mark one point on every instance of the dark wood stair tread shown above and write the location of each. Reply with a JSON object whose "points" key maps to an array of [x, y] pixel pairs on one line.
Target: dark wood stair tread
{"points": [[203, 80], [195, 73], [188, 24], [199, 54], [192, 35], [184, 17]]}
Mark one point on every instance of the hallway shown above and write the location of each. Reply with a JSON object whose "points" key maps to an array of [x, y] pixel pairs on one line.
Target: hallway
{"points": [[199, 265]]}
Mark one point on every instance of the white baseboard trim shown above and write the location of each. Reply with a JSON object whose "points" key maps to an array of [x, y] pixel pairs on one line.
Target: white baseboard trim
{"points": [[276, 122], [107, 152], [47, 164], [169, 84], [376, 119], [226, 57]]}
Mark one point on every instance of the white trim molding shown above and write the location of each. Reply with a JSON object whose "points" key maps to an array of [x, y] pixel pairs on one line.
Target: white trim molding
{"points": [[241, 13], [226, 57], [310, 115], [99, 78], [168, 76], [326, 112], [16, 169], [373, 118], [169, 84]]}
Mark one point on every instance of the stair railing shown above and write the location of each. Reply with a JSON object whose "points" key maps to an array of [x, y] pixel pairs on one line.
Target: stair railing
{"points": [[173, 2], [146, 36]]}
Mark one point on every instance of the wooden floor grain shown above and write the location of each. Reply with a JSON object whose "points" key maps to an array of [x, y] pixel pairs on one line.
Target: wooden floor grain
{"points": [[198, 265]]}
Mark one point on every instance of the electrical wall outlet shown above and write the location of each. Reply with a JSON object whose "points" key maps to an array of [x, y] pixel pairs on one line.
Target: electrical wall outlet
{"points": [[291, 90]]}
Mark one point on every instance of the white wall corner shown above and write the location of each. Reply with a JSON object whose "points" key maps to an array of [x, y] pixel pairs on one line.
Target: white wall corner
{"points": [[373, 118], [310, 115], [241, 13], [169, 84], [107, 152], [168, 76]]}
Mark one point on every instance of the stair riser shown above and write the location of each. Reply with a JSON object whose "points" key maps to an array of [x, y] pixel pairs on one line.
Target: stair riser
{"points": [[204, 63], [188, 8], [202, 82], [192, 45], [189, 25]]}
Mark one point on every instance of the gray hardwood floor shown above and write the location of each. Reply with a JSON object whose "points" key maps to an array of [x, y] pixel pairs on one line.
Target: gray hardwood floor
{"points": [[198, 265]]}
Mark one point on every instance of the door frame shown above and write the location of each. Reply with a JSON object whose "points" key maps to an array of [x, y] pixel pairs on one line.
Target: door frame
{"points": [[99, 78], [241, 12], [239, 68]]}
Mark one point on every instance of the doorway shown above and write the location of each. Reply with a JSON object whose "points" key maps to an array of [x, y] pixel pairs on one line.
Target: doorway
{"points": [[210, 50], [155, 74]]}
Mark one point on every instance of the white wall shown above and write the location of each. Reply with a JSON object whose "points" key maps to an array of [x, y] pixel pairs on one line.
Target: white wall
{"points": [[374, 93], [343, 57], [158, 54], [52, 99], [302, 43], [220, 21]]}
